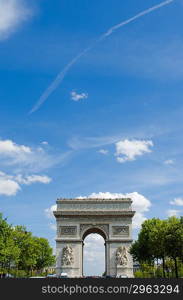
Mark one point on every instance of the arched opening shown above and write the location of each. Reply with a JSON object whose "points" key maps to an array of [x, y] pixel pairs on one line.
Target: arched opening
{"points": [[94, 252]]}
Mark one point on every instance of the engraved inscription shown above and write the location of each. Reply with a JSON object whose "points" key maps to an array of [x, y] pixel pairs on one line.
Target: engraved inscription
{"points": [[120, 230], [68, 230]]}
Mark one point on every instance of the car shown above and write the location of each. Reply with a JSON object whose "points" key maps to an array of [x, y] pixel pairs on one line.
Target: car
{"points": [[52, 276], [9, 276], [122, 276], [63, 275], [37, 277]]}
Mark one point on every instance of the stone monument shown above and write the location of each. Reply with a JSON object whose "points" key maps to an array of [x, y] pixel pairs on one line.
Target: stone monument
{"points": [[77, 218]]}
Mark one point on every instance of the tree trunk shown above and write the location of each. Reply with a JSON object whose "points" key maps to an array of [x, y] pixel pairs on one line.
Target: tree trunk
{"points": [[176, 268], [9, 266], [164, 274]]}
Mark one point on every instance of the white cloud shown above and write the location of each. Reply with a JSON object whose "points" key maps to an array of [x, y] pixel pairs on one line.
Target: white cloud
{"points": [[26, 159], [103, 151], [172, 212], [44, 143], [10, 184], [78, 143], [8, 187], [9, 148], [169, 162], [177, 202], [12, 153], [49, 211], [33, 179], [128, 150], [12, 14], [140, 204], [77, 97], [53, 226], [94, 244], [138, 219], [49, 214]]}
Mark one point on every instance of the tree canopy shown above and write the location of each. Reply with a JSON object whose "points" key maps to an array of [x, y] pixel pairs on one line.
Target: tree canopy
{"points": [[160, 240], [21, 250]]}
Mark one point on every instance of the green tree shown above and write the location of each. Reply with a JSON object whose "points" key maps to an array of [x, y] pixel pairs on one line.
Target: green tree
{"points": [[157, 240], [20, 249], [9, 252], [141, 249], [160, 240], [28, 249], [44, 253], [174, 241]]}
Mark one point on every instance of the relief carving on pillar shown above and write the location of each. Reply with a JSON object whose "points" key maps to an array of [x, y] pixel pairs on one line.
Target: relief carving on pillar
{"points": [[67, 230], [121, 256], [120, 230], [67, 256]]}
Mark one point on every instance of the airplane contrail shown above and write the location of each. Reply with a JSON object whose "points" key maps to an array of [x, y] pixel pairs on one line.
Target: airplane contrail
{"points": [[57, 81]]}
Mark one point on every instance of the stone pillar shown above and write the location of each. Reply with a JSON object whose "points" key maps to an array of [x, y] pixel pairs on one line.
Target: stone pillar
{"points": [[70, 263], [118, 263]]}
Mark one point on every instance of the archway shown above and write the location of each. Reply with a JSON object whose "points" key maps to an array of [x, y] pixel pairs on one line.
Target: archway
{"points": [[94, 257], [94, 251]]}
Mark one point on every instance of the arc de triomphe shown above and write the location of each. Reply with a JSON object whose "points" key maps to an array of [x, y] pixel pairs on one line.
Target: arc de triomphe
{"points": [[111, 218]]}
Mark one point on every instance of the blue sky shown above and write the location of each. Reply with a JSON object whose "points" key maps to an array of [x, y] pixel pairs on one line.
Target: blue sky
{"points": [[115, 122]]}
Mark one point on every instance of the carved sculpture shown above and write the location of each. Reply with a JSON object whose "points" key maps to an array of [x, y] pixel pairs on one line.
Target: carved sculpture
{"points": [[121, 256], [67, 256]]}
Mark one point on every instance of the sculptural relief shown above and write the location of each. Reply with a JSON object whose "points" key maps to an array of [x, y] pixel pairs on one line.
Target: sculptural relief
{"points": [[67, 256], [120, 230], [67, 230], [121, 256]]}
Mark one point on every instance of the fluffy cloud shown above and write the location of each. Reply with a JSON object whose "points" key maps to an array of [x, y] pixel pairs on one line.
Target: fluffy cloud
{"points": [[10, 184], [173, 212], [177, 202], [9, 148], [12, 14], [78, 97], [103, 151], [44, 143], [49, 214], [128, 150], [140, 204], [49, 211], [32, 179], [93, 244], [12, 153], [26, 159], [53, 226], [8, 187]]}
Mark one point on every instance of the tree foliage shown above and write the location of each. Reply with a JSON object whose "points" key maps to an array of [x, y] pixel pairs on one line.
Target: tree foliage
{"points": [[21, 250], [160, 240]]}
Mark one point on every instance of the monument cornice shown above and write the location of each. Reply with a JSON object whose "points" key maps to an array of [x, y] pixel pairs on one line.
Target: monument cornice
{"points": [[79, 213], [92, 200]]}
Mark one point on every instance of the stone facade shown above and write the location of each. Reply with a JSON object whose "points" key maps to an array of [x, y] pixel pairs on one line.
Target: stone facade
{"points": [[111, 218]]}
